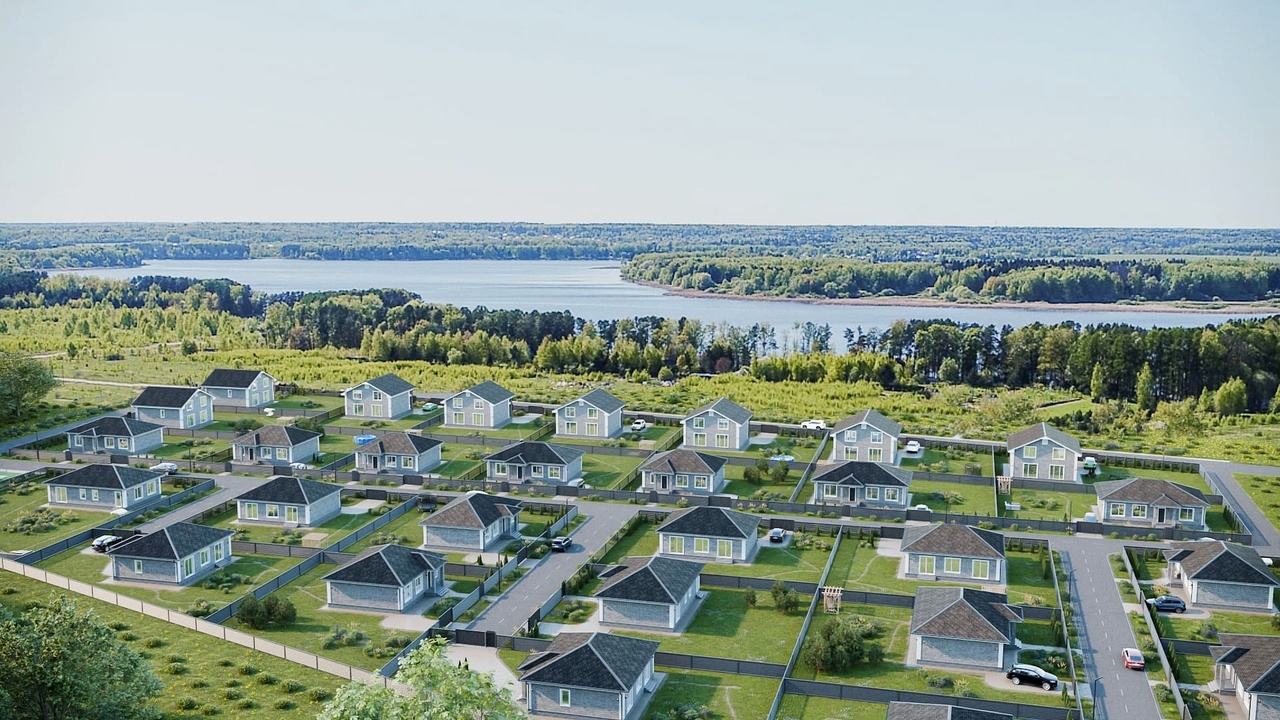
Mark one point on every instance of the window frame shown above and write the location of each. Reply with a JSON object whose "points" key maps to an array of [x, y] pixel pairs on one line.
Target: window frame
{"points": [[933, 565], [947, 563]]}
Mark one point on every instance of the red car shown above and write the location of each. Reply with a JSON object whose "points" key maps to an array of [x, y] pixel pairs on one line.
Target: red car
{"points": [[1133, 659]]}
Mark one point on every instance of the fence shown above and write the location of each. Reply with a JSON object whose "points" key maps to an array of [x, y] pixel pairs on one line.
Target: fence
{"points": [[1143, 533], [1153, 628], [1067, 625], [810, 468], [840, 691], [804, 630]]}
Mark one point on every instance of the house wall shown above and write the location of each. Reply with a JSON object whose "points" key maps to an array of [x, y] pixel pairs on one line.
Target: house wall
{"points": [[1266, 707], [138, 444], [609, 424], [165, 571], [853, 494], [649, 480], [950, 651], [318, 512], [966, 568], [545, 700], [738, 435], [469, 404], [628, 612], [461, 538], [1204, 592], [261, 392], [1044, 461], [1152, 517], [106, 498], [326, 507], [423, 462], [389, 407], [743, 550], [364, 596], [858, 447]]}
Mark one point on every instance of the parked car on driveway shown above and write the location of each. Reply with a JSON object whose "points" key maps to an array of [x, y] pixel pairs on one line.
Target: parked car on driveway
{"points": [[561, 544], [1133, 659], [777, 535], [165, 467], [1167, 603], [104, 543], [1032, 675], [814, 425], [912, 447], [639, 425]]}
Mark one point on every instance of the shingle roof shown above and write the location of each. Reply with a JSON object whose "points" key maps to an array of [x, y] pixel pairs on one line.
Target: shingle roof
{"points": [[164, 396], [1255, 658], [1034, 433], [115, 426], [727, 408], [170, 543], [954, 540], [229, 378], [399, 443], [387, 565], [277, 435], [873, 419], [491, 392], [921, 711], [1151, 492], [290, 490], [473, 510], [711, 522], [652, 579], [390, 384], [602, 399], [540, 453], [110, 477], [859, 473], [681, 460], [1218, 561], [964, 614], [590, 660]]}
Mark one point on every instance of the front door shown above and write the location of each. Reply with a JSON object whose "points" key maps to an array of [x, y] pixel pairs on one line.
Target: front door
{"points": [[373, 461], [724, 549], [1160, 515], [291, 514], [662, 482]]}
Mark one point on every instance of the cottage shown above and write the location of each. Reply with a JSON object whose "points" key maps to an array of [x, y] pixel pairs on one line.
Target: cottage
{"points": [[928, 711], [963, 626], [650, 592], [597, 414], [473, 522], [865, 484], [726, 535], [1043, 451], [175, 407], [487, 405], [105, 487], [400, 452], [290, 501], [1248, 666], [179, 554], [116, 436], [595, 675], [276, 445], [1151, 503], [386, 577], [536, 462], [867, 436], [954, 553], [683, 471], [725, 422], [386, 397], [241, 388], [1221, 574]]}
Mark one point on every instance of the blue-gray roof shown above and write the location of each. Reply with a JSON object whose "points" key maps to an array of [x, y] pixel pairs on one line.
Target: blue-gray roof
{"points": [[598, 661], [290, 491], [390, 384], [858, 473], [229, 378], [115, 426], [387, 565], [164, 396], [726, 408], [491, 392], [602, 399], [170, 543], [108, 477], [540, 453]]}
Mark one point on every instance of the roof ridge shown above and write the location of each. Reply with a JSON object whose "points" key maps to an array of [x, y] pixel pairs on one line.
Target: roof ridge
{"points": [[946, 607], [658, 576], [590, 643]]}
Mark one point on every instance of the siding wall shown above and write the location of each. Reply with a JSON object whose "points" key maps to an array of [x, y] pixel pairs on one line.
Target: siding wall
{"points": [[840, 448], [743, 550], [610, 424], [966, 569], [364, 596], [459, 538], [164, 571], [545, 700], [959, 652], [492, 416], [1230, 594], [739, 435], [1043, 461], [642, 614]]}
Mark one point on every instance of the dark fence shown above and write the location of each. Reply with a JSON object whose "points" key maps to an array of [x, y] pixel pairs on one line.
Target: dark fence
{"points": [[371, 527], [859, 693], [1143, 533], [258, 548]]}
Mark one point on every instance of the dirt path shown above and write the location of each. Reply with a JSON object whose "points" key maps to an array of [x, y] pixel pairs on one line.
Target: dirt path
{"points": [[100, 382]]}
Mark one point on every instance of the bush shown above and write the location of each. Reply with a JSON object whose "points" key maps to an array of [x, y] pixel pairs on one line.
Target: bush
{"points": [[226, 663], [267, 679], [285, 704], [247, 704], [319, 694], [230, 694], [153, 643], [247, 670], [1163, 693], [232, 683], [292, 686]]}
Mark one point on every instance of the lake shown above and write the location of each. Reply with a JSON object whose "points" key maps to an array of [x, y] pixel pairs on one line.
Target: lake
{"points": [[595, 290]]}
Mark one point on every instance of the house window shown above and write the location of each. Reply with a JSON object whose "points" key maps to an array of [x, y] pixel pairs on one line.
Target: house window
{"points": [[951, 565], [357, 409], [457, 402], [570, 412], [875, 454], [137, 492], [828, 490], [204, 556], [151, 487], [675, 545], [891, 494], [682, 481], [229, 393], [851, 436], [477, 418], [872, 493], [592, 413], [553, 472], [459, 418], [163, 414], [204, 416], [564, 697], [391, 461], [699, 423], [1030, 470], [407, 462], [1139, 511], [700, 439], [536, 470], [722, 424], [1029, 452], [1057, 472], [499, 468], [701, 482], [79, 441], [724, 548], [82, 493], [137, 567], [273, 511], [417, 585], [119, 498], [851, 453], [571, 427], [1116, 510], [111, 442], [928, 564], [282, 453], [251, 511], [377, 395], [124, 443], [1187, 514], [94, 495], [722, 441], [877, 437], [593, 429], [1059, 453], [981, 569], [477, 404], [357, 394], [217, 552], [377, 410], [702, 545], [188, 567], [291, 513]]}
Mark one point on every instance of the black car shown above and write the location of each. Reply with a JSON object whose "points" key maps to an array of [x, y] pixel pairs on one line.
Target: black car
{"points": [[1032, 675], [561, 544], [1167, 603], [104, 543], [777, 535]]}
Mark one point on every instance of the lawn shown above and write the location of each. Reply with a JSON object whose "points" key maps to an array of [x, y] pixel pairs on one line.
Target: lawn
{"points": [[604, 471], [200, 448], [641, 541], [1044, 505], [726, 627], [654, 434], [13, 505], [336, 528], [954, 461], [332, 447], [309, 402], [214, 670], [726, 696], [1223, 621], [511, 432], [1148, 569], [1026, 580], [965, 499], [802, 449], [1194, 669], [799, 707], [404, 423], [403, 530], [1265, 492], [781, 563], [1037, 632], [1113, 472]]}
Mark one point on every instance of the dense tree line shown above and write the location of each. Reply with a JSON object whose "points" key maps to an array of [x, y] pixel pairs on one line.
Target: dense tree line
{"points": [[23, 289]]}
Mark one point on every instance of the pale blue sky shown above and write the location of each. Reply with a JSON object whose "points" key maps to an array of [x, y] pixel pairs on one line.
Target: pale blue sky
{"points": [[971, 113]]}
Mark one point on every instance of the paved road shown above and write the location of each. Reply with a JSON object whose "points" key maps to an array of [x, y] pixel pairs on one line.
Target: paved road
{"points": [[1265, 536], [513, 609]]}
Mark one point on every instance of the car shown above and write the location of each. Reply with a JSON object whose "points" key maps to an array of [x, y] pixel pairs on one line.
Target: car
{"points": [[639, 425], [1133, 659], [1032, 675], [912, 447], [298, 466], [577, 482], [561, 544], [923, 508], [165, 467], [104, 543], [814, 425], [1167, 603], [777, 535]]}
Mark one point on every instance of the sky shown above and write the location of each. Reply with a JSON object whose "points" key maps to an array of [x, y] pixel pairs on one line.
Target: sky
{"points": [[1159, 114]]}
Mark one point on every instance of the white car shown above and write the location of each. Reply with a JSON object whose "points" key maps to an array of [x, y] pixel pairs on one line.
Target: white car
{"points": [[813, 425], [299, 466], [165, 467], [912, 447], [923, 508], [639, 425]]}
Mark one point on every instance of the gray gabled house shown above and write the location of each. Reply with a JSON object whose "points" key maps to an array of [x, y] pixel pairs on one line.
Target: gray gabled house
{"points": [[473, 522], [929, 711], [1221, 574], [864, 484], [868, 437], [588, 675], [714, 533], [964, 627], [386, 397], [105, 487], [176, 407], [386, 577], [179, 554], [954, 553], [242, 388], [290, 501], [115, 435], [535, 462], [598, 414], [1248, 666], [683, 471], [650, 592], [1151, 503], [1043, 451], [276, 445], [486, 405], [399, 452], [723, 425]]}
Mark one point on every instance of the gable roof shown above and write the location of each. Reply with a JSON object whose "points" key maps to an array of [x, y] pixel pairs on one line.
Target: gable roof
{"points": [[390, 384], [109, 477], [1026, 436], [711, 522], [387, 565], [398, 443], [964, 614], [115, 426], [532, 452], [170, 543], [1255, 659], [873, 419], [950, 539], [165, 396], [681, 460], [229, 378], [473, 510], [602, 399], [290, 490], [490, 392], [652, 579], [1218, 561], [727, 408], [590, 660], [280, 435], [922, 711], [1151, 492], [859, 473]]}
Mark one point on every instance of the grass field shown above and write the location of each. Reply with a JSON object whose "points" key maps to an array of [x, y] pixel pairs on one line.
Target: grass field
{"points": [[405, 526], [735, 485], [726, 696], [1045, 505], [972, 499], [641, 541], [777, 563], [1265, 493], [606, 471], [799, 707], [951, 461], [13, 505], [335, 528], [1115, 472], [1223, 621], [726, 627]]}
